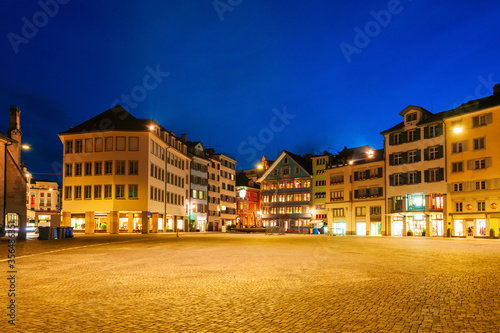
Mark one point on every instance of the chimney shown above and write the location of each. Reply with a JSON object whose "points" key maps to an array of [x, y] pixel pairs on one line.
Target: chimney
{"points": [[15, 122], [184, 138], [496, 89]]}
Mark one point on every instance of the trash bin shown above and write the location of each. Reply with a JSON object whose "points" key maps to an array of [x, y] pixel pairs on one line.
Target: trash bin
{"points": [[43, 233], [69, 232], [53, 233], [61, 232], [315, 231]]}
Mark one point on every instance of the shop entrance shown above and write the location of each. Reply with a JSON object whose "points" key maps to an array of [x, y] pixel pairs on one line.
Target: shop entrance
{"points": [[361, 229]]}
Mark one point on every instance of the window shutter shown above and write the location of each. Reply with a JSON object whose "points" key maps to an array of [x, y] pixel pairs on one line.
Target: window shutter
{"points": [[440, 152], [454, 147], [356, 194], [489, 118], [439, 129], [391, 159], [419, 177], [404, 137], [355, 176], [426, 176], [475, 121], [380, 172], [417, 134], [380, 191], [391, 180], [391, 139], [426, 154], [470, 165], [404, 157], [426, 132], [464, 145], [441, 173], [367, 174], [488, 162], [418, 156], [404, 178]]}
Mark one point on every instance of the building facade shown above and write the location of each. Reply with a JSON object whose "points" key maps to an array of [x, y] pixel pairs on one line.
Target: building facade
{"points": [[319, 164], [124, 174], [416, 174], [473, 150], [286, 193], [12, 177], [198, 202], [356, 192], [247, 201], [42, 199], [214, 204], [227, 174]]}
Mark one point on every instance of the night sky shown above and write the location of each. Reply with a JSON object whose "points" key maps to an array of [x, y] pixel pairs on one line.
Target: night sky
{"points": [[246, 77]]}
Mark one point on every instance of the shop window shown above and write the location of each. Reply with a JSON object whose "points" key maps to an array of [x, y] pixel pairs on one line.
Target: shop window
{"points": [[397, 204], [437, 201], [415, 202]]}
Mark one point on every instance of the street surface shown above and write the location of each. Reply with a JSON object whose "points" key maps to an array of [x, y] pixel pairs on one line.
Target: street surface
{"points": [[253, 283]]}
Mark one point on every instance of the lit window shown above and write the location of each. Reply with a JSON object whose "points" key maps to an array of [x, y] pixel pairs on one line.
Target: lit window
{"points": [[416, 201]]}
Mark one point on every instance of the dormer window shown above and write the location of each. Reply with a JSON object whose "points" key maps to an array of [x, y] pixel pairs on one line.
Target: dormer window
{"points": [[286, 160], [411, 116]]}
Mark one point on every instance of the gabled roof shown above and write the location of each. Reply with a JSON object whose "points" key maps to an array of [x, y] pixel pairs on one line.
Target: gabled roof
{"points": [[305, 163], [114, 119], [414, 107]]}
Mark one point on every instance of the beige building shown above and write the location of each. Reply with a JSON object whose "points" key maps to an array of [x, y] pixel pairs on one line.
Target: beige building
{"points": [[416, 174], [124, 174], [42, 199], [355, 187], [12, 178], [473, 150], [227, 174], [214, 205]]}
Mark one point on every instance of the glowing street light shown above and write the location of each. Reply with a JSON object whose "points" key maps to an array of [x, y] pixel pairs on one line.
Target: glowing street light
{"points": [[457, 130], [26, 147]]}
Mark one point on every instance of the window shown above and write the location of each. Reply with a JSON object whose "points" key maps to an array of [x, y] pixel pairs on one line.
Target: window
{"points": [[433, 131], [434, 175], [457, 166], [375, 210], [78, 146], [98, 144], [285, 171], [432, 153], [108, 143], [89, 145], [337, 195], [478, 143], [413, 135], [416, 201], [482, 120], [481, 185], [133, 143], [413, 177], [298, 197], [360, 211], [68, 170], [398, 138], [68, 147], [398, 159], [67, 193], [87, 192], [78, 169], [338, 212], [479, 164], [108, 192], [413, 156], [458, 187], [88, 168], [97, 168], [458, 207], [298, 210], [78, 192], [297, 170], [133, 167], [285, 160], [120, 167], [398, 179], [120, 143], [132, 191], [108, 167], [97, 191], [457, 147], [437, 201], [411, 116], [120, 191], [397, 204], [481, 206]]}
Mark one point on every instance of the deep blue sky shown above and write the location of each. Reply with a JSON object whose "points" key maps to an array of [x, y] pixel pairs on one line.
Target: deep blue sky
{"points": [[226, 76]]}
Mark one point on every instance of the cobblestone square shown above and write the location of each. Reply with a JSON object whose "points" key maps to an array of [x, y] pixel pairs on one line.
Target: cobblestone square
{"points": [[254, 283]]}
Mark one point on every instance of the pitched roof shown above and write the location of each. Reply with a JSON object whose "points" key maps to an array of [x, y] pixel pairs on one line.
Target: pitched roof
{"points": [[114, 119], [303, 162]]}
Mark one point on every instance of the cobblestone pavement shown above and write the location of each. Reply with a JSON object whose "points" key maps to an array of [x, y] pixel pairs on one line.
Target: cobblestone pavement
{"points": [[254, 283]]}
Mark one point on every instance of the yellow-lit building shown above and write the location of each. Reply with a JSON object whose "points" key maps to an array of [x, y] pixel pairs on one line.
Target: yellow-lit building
{"points": [[124, 174], [473, 149], [355, 189], [319, 192]]}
